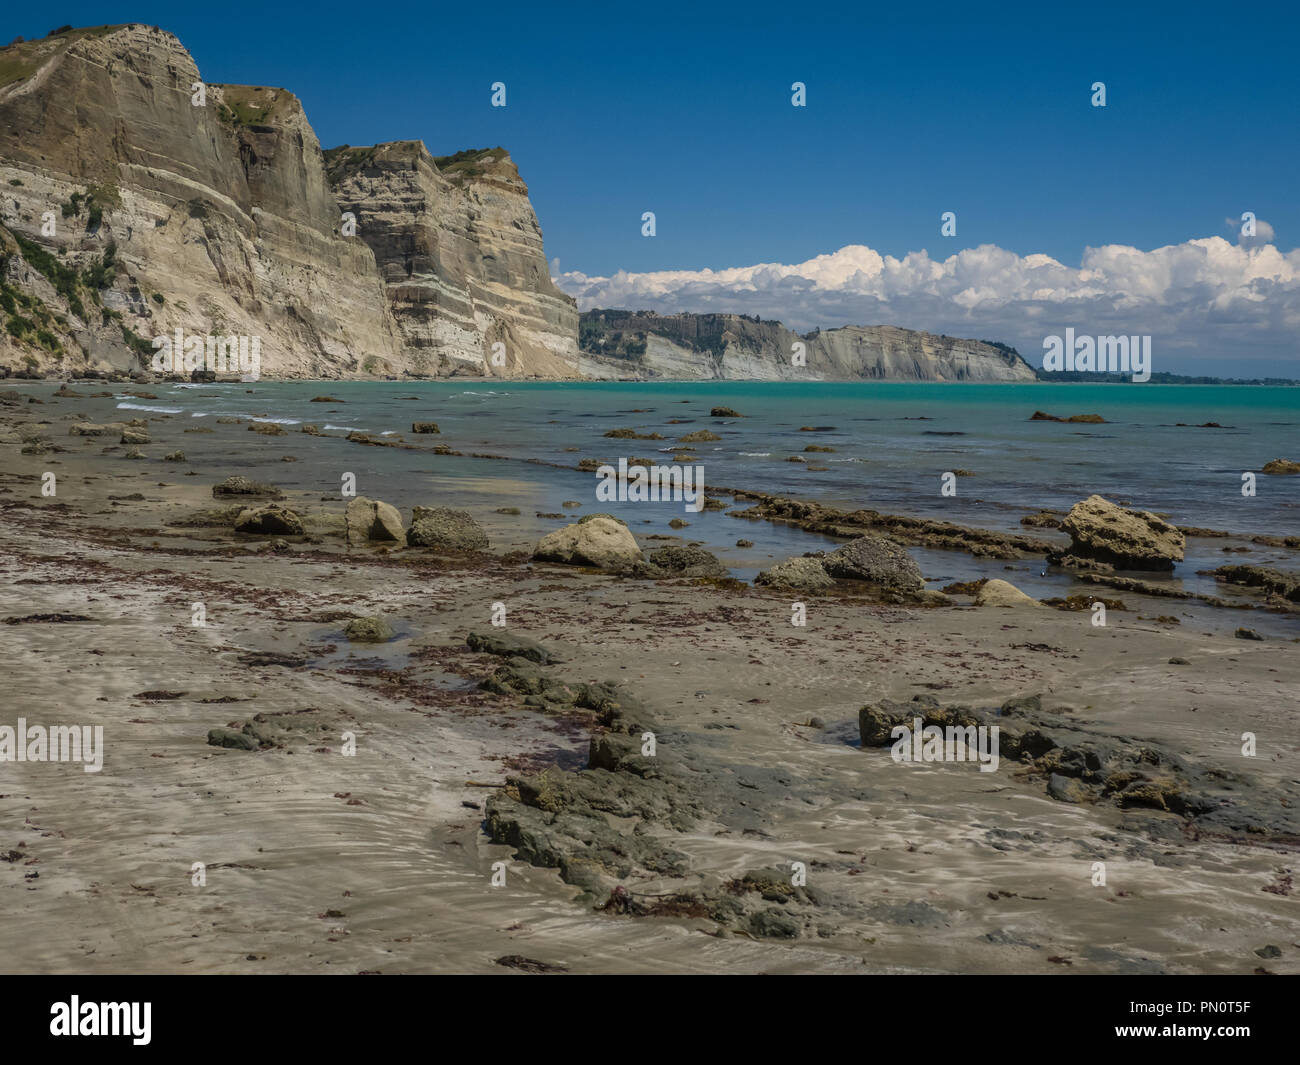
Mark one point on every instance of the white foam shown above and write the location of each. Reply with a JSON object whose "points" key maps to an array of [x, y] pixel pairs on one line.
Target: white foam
{"points": [[154, 410], [346, 428]]}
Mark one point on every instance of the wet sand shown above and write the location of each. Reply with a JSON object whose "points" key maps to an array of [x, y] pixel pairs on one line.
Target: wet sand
{"points": [[321, 862]]}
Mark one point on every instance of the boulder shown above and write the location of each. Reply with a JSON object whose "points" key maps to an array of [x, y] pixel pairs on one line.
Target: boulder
{"points": [[269, 520], [1004, 594], [724, 412], [1102, 533], [677, 561], [687, 562], [1281, 466], [242, 486], [425, 427], [699, 436], [267, 428], [878, 561], [174, 456], [444, 527], [90, 429], [134, 436], [370, 519], [596, 541], [368, 630], [803, 575]]}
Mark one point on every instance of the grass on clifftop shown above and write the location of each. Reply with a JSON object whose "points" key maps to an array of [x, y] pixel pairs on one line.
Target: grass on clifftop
{"points": [[468, 163], [20, 60]]}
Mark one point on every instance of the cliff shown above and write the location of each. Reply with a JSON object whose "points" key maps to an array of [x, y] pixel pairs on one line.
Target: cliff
{"points": [[460, 252], [642, 344], [131, 210]]}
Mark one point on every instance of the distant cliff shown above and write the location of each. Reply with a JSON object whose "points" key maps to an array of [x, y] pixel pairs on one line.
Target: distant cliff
{"points": [[642, 344], [128, 212]]}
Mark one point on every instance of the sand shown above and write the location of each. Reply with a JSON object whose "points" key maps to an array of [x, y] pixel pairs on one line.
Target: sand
{"points": [[317, 861]]}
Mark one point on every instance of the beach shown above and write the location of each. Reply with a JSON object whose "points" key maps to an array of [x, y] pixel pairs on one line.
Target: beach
{"points": [[383, 860]]}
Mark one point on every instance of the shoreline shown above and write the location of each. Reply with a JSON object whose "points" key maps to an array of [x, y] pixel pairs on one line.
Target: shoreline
{"points": [[321, 862]]}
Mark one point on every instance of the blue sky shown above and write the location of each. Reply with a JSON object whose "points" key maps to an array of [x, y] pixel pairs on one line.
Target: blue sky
{"points": [[684, 110]]}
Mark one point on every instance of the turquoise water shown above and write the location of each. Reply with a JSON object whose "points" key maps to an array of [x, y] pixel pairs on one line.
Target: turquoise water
{"points": [[893, 442], [886, 457]]}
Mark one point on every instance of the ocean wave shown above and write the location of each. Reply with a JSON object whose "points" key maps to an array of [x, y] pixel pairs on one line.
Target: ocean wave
{"points": [[345, 428], [756, 454], [154, 410], [277, 421]]}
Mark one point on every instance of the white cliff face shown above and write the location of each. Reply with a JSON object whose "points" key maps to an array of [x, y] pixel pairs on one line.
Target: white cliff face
{"points": [[222, 220], [460, 252], [733, 347], [219, 215]]}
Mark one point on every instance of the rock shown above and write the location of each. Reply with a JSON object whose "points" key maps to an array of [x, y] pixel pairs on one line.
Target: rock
{"points": [[773, 924], [724, 412], [267, 428], [571, 504], [1102, 532], [91, 429], [1089, 419], [699, 436], [370, 519], [878, 561], [593, 541], [134, 436], [444, 527], [269, 520], [1003, 594], [174, 456], [36, 447], [1247, 634], [1281, 466], [326, 399], [425, 427], [676, 561], [592, 517], [229, 737], [242, 486], [803, 575], [1272, 581], [1067, 789], [1176, 661], [678, 523], [510, 646], [744, 543], [368, 630], [134, 453]]}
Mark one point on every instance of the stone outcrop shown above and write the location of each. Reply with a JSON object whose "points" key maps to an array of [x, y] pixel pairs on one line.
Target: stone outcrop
{"points": [[875, 560], [370, 519], [1106, 536], [1002, 594], [644, 345], [598, 541], [447, 528]]}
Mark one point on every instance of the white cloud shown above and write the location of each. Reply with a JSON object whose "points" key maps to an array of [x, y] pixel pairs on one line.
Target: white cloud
{"points": [[1209, 305]]}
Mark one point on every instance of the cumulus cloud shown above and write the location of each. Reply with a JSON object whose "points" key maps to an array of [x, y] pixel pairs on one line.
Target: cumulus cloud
{"points": [[1263, 232], [1210, 306]]}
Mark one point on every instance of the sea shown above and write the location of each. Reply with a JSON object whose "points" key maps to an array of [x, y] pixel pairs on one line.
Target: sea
{"points": [[1178, 450]]}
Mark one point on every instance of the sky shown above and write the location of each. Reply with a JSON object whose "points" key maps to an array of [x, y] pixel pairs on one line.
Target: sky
{"points": [[1122, 218]]}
